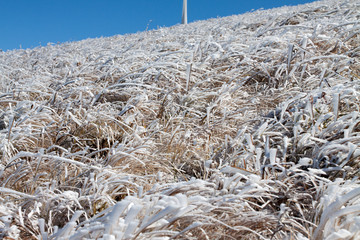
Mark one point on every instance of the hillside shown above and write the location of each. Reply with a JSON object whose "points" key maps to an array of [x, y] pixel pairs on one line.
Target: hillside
{"points": [[243, 127]]}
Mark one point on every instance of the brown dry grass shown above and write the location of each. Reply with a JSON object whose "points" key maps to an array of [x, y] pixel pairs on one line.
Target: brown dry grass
{"points": [[233, 128]]}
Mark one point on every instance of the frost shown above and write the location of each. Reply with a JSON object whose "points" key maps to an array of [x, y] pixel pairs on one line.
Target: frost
{"points": [[244, 127]]}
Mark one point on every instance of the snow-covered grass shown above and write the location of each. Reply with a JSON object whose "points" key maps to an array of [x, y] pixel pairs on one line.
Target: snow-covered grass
{"points": [[244, 127]]}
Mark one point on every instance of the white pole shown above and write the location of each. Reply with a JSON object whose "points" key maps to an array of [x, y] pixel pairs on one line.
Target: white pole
{"points": [[184, 13]]}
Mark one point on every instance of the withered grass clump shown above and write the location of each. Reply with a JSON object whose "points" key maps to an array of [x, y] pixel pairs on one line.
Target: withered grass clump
{"points": [[244, 127]]}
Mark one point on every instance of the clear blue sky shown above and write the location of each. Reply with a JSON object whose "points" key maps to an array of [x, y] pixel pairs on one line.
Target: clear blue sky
{"points": [[30, 23]]}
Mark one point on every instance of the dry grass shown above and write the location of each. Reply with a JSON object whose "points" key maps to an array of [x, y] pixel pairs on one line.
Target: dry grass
{"points": [[245, 127]]}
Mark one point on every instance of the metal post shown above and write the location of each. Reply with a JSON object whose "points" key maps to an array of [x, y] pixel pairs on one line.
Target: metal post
{"points": [[184, 13]]}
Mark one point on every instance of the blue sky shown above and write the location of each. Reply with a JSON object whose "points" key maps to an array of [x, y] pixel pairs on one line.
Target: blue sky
{"points": [[31, 23]]}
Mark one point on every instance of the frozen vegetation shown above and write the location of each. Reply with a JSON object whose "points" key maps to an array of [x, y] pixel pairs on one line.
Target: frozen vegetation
{"points": [[244, 127]]}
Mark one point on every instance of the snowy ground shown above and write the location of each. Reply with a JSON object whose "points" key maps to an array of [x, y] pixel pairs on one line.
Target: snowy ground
{"points": [[244, 127]]}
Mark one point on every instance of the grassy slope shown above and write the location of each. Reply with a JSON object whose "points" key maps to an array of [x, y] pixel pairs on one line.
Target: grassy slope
{"points": [[239, 127]]}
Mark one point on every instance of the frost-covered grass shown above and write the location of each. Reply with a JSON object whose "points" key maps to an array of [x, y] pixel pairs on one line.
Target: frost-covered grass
{"points": [[244, 127]]}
